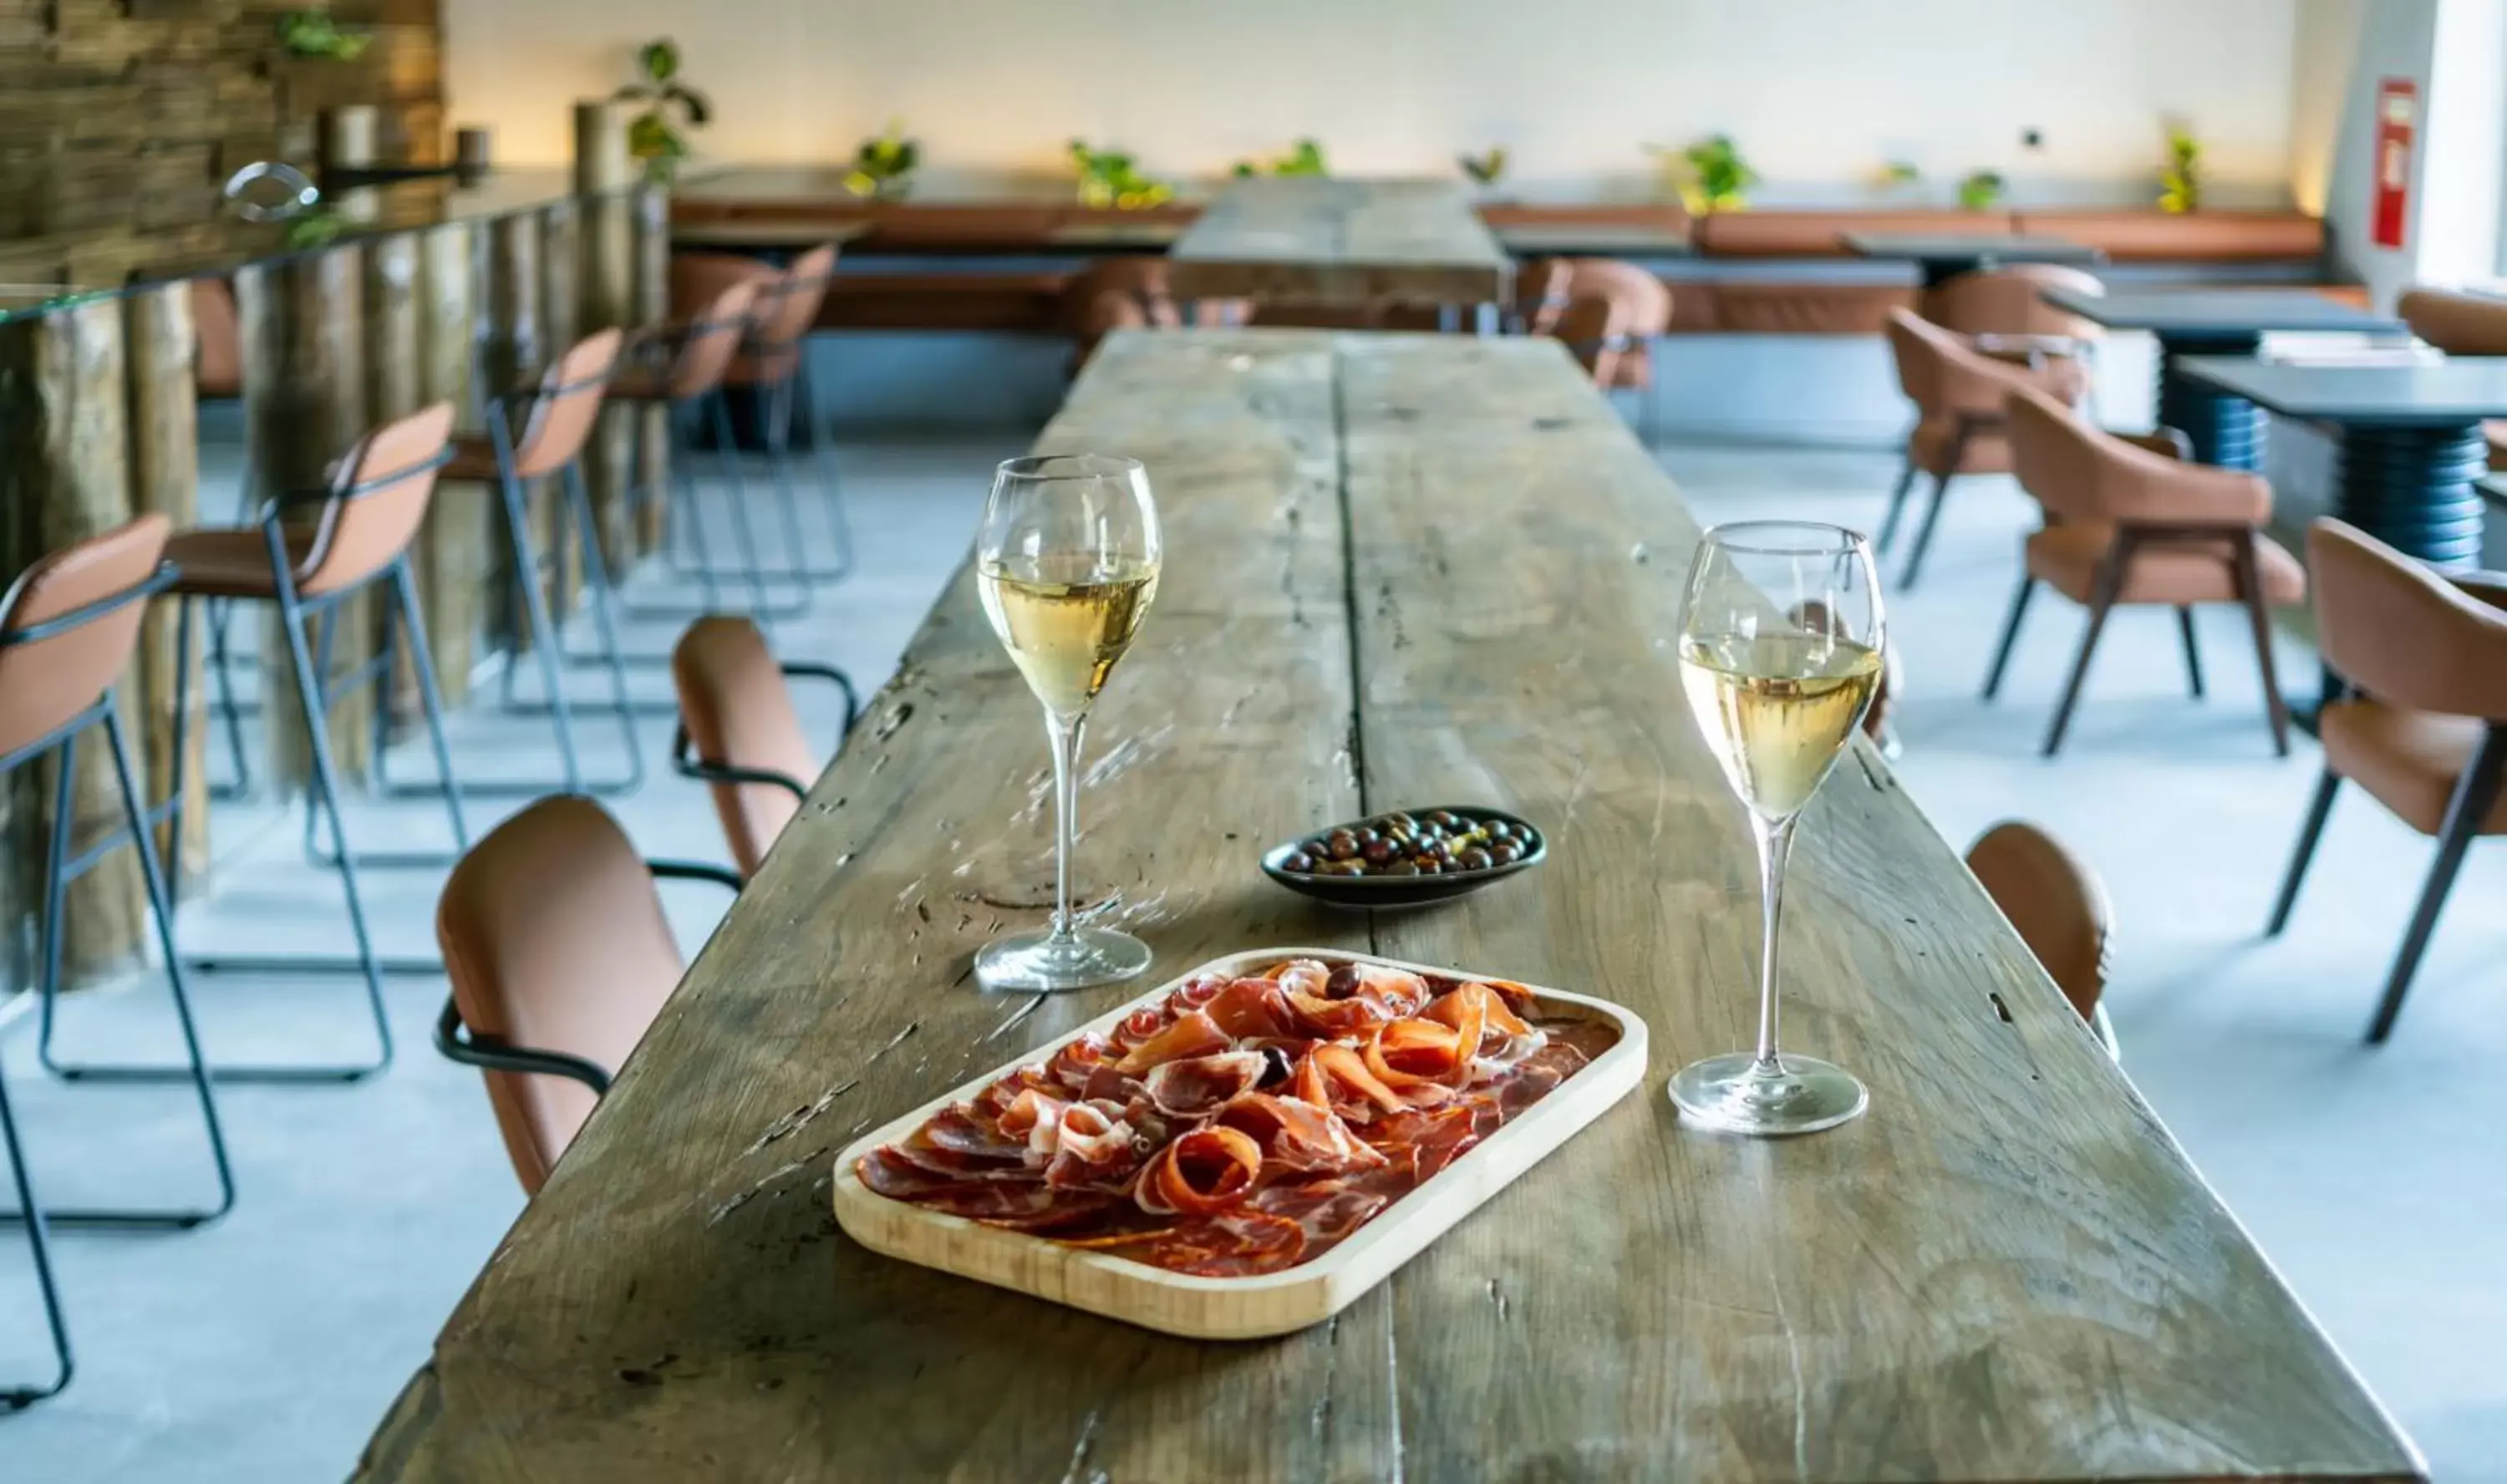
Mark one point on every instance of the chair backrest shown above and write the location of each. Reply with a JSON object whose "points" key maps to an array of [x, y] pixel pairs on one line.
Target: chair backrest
{"points": [[568, 405], [1592, 330], [1117, 294], [2004, 301], [713, 339], [1916, 348], [553, 939], [791, 306], [379, 501], [217, 340], [46, 680], [2402, 632], [2054, 455], [739, 713], [1640, 300], [2054, 901], [2458, 324], [1541, 293]]}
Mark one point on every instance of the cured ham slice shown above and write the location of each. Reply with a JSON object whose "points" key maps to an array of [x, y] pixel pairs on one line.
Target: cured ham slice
{"points": [[1237, 1244], [1296, 1136], [1252, 1008], [966, 1129], [1202, 1172], [1192, 1034], [1074, 1066], [1036, 1118], [1093, 1144], [1301, 976], [1429, 1137], [1194, 1087], [1326, 1209], [1406, 1052], [1328, 1019], [1333, 1075]]}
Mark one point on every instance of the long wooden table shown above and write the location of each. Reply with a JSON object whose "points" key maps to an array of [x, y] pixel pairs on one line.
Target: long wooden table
{"points": [[1401, 570], [1334, 241]]}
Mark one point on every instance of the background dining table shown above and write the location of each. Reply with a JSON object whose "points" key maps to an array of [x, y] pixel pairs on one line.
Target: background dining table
{"points": [[1401, 570]]}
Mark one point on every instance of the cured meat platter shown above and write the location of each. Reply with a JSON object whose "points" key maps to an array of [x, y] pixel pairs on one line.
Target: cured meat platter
{"points": [[1247, 1149]]}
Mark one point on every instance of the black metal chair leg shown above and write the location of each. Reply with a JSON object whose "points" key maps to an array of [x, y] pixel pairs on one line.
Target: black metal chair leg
{"points": [[2193, 653], [1924, 533], [1896, 505], [229, 714], [2474, 795], [743, 533], [2250, 588], [323, 793], [605, 626], [64, 1364], [799, 393], [2009, 635], [2318, 808], [195, 1069]]}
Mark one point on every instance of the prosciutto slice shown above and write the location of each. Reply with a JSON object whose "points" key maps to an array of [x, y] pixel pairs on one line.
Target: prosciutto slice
{"points": [[1194, 1087], [1205, 1171], [1406, 1052], [1335, 1077], [1192, 1034], [1251, 1009], [1093, 1144], [1298, 1135]]}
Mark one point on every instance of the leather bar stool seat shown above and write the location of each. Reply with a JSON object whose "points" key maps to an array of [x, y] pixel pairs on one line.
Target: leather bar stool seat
{"points": [[736, 717], [231, 564]]}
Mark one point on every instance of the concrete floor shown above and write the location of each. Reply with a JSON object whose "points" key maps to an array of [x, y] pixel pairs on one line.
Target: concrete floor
{"points": [[266, 1347]]}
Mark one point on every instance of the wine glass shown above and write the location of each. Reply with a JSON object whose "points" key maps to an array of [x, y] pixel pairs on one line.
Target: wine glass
{"points": [[1780, 646], [1066, 563]]}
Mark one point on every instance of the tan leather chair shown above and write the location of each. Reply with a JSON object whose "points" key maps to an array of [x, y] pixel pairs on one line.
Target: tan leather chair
{"points": [[2462, 324], [559, 958], [2418, 717], [1116, 294], [2130, 521], [739, 732], [2058, 907], [1958, 390], [2004, 307]]}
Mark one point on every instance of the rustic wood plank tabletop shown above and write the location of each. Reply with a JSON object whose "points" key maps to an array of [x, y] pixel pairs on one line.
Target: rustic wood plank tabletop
{"points": [[1401, 570]]}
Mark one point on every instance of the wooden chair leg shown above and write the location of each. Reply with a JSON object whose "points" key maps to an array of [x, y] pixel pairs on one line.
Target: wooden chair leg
{"points": [[2192, 652], [2250, 590], [2010, 634], [2101, 600], [2318, 810], [1897, 504], [2474, 795]]}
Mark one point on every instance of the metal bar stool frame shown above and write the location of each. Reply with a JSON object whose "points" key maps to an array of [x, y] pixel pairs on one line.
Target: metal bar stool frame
{"points": [[61, 868]]}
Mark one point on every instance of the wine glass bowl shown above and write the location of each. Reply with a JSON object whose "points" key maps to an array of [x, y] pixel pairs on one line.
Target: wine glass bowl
{"points": [[1780, 646], [1066, 564]]}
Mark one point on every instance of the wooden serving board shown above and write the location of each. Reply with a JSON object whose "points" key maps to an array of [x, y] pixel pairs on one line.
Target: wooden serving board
{"points": [[1270, 1303]]}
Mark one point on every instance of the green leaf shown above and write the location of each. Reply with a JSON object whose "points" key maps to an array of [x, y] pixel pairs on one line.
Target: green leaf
{"points": [[636, 92], [659, 60], [699, 107]]}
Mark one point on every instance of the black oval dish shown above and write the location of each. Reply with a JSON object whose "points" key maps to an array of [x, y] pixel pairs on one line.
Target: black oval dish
{"points": [[1403, 890]]}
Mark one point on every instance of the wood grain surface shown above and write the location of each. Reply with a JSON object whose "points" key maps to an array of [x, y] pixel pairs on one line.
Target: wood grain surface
{"points": [[2007, 1271], [1342, 242]]}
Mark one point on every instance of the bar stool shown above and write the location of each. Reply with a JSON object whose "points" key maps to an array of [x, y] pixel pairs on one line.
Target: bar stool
{"points": [[701, 352], [739, 732], [1610, 314], [558, 419], [1958, 388], [2058, 907], [559, 956], [67, 629], [776, 366], [359, 538], [2417, 716], [217, 376]]}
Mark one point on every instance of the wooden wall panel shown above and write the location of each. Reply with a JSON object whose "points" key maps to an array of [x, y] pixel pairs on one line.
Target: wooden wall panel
{"points": [[120, 118]]}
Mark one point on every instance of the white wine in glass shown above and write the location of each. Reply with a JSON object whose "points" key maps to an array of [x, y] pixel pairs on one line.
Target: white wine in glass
{"points": [[1066, 563], [1780, 651]]}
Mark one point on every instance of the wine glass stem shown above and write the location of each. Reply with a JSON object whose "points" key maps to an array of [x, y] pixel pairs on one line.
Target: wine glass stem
{"points": [[1064, 732], [1775, 839]]}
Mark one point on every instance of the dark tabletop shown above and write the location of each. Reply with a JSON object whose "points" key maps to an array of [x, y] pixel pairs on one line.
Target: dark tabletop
{"points": [[2218, 311], [1593, 239], [2448, 393], [1937, 247]]}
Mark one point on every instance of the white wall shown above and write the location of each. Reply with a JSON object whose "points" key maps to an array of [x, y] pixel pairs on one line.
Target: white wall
{"points": [[1819, 92]]}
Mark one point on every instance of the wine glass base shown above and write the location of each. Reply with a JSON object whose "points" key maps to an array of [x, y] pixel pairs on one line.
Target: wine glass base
{"points": [[1735, 1094], [1034, 963]]}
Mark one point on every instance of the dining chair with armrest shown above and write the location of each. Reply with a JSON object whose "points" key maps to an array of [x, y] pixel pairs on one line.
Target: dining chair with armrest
{"points": [[739, 732]]}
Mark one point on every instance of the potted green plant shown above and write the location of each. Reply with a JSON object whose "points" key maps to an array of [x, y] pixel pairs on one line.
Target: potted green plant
{"points": [[1898, 175], [1110, 178], [314, 34], [1710, 175], [883, 167], [2180, 181], [1485, 169], [652, 137], [1982, 190], [1306, 157]]}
